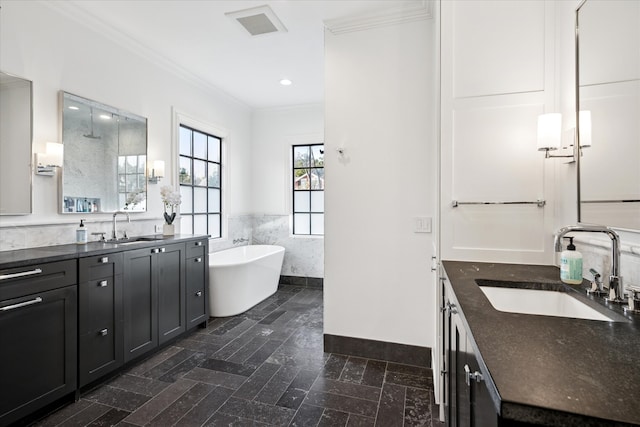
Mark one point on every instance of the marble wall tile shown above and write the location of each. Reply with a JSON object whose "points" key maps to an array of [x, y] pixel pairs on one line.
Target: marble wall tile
{"points": [[599, 258]]}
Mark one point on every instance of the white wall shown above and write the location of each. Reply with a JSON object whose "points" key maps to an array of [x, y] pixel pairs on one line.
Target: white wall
{"points": [[40, 43], [380, 107], [274, 131]]}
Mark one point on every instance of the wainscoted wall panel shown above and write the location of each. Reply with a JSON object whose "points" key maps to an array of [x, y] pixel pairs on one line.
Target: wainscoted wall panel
{"points": [[497, 76], [304, 256], [492, 40]]}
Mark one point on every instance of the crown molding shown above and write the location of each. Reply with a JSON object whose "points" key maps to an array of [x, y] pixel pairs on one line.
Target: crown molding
{"points": [[79, 15], [409, 11]]}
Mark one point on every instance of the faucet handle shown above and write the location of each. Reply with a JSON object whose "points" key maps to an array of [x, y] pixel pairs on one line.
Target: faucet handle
{"points": [[633, 299], [101, 234], [596, 284]]}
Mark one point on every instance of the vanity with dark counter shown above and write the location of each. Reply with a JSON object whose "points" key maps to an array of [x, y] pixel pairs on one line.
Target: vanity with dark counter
{"points": [[71, 315], [507, 368]]}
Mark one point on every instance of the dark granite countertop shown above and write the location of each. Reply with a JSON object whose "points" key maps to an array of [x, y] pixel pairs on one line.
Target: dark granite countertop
{"points": [[552, 370], [24, 257]]}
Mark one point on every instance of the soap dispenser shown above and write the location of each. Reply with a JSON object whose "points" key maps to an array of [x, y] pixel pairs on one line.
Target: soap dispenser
{"points": [[571, 264], [81, 233]]}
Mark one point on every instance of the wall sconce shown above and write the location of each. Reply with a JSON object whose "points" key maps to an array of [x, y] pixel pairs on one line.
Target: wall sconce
{"points": [[51, 159], [550, 135], [156, 172]]}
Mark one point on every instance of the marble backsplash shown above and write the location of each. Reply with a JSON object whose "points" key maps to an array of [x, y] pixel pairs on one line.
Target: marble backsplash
{"points": [[597, 255], [304, 256]]}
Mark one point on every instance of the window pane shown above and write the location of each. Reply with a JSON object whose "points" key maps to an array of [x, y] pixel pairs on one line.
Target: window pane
{"points": [[199, 200], [185, 224], [317, 152], [200, 224], [122, 199], [186, 205], [214, 149], [317, 223], [185, 170], [132, 164], [214, 226], [199, 145], [301, 179], [301, 224], [185, 141], [121, 164], [142, 182], [214, 175], [317, 179], [142, 164], [199, 175], [317, 201], [301, 201], [132, 183], [301, 156], [122, 183], [214, 200]]}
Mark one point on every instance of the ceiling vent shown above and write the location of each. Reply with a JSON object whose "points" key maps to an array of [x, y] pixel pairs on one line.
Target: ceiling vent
{"points": [[258, 20]]}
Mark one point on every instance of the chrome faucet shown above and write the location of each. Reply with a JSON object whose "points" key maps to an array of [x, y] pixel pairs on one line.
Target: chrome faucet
{"points": [[616, 290], [114, 233]]}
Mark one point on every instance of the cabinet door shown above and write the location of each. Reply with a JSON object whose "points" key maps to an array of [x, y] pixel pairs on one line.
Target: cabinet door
{"points": [[38, 338], [171, 292], [140, 302], [100, 317], [196, 296]]}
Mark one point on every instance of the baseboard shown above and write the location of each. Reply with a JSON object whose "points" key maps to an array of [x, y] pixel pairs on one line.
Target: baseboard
{"points": [[310, 282], [370, 349]]}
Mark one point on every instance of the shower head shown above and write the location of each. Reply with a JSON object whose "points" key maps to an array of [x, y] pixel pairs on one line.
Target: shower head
{"points": [[91, 135]]}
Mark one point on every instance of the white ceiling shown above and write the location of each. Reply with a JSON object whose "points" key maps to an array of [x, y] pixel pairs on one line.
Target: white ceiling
{"points": [[195, 38]]}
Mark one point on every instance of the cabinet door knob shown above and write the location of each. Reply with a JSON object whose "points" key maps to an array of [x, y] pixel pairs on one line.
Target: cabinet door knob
{"points": [[198, 243], [102, 283], [199, 293], [198, 259], [104, 332], [155, 250], [104, 260], [162, 249]]}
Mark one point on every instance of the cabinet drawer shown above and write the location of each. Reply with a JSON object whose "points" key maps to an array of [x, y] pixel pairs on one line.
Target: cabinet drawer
{"points": [[100, 266], [196, 248], [37, 277]]}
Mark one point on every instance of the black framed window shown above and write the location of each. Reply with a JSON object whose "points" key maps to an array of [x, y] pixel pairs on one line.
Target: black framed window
{"points": [[200, 182], [308, 189]]}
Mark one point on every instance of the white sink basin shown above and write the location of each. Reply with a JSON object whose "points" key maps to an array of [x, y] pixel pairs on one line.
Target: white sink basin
{"points": [[546, 303]]}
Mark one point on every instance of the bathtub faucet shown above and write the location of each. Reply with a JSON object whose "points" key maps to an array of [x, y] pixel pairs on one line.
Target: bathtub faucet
{"points": [[240, 240]]}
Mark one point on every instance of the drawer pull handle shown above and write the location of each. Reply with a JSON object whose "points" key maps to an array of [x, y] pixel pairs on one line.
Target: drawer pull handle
{"points": [[102, 283], [22, 304], [162, 249], [198, 259], [198, 243], [21, 274], [104, 332], [155, 251], [104, 260], [199, 293]]}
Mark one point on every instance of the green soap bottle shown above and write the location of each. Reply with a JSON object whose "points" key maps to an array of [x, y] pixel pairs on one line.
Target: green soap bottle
{"points": [[571, 264]]}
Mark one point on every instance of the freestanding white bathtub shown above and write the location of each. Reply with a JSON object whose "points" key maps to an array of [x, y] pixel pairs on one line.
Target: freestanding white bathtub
{"points": [[241, 277]]}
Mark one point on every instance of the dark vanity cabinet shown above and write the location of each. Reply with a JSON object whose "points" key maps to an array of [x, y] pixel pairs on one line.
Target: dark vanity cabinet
{"points": [[197, 278], [38, 337], [467, 398], [154, 297], [100, 325]]}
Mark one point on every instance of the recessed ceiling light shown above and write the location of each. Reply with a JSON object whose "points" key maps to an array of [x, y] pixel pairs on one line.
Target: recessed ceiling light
{"points": [[73, 107], [285, 82], [105, 116]]}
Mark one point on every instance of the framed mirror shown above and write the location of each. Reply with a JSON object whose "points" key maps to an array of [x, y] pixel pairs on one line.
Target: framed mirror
{"points": [[608, 91], [105, 157], [16, 134]]}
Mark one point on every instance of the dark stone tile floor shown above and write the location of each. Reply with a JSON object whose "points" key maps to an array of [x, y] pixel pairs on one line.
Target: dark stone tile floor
{"points": [[265, 367]]}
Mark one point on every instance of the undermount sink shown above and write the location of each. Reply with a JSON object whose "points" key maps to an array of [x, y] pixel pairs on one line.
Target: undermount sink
{"points": [[131, 240], [530, 299]]}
